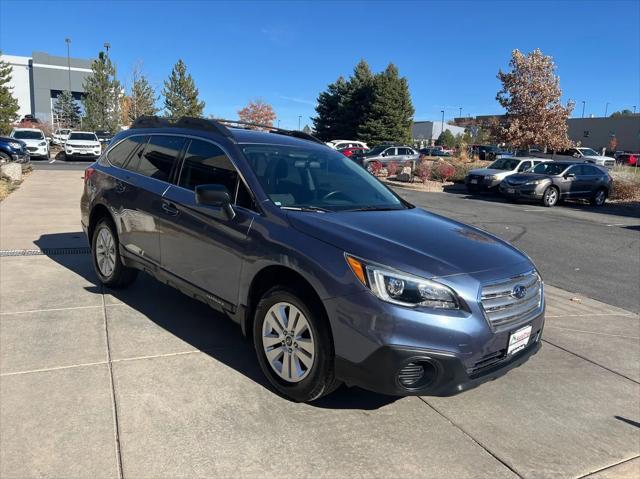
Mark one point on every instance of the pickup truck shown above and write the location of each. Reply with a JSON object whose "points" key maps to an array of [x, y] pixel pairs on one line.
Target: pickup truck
{"points": [[580, 153]]}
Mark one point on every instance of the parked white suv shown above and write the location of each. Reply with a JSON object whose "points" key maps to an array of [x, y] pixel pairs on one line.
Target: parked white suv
{"points": [[34, 138], [82, 144], [489, 178], [342, 144], [60, 136]]}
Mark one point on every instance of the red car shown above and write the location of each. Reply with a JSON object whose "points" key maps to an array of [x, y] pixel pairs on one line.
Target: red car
{"points": [[350, 151], [630, 159]]}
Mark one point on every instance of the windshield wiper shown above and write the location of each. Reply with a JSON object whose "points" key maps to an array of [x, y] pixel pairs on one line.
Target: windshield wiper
{"points": [[376, 208], [306, 208]]}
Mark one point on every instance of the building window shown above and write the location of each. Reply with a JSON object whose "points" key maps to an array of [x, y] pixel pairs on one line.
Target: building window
{"points": [[586, 134]]}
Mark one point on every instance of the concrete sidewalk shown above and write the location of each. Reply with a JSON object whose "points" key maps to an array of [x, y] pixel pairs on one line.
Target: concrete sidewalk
{"points": [[149, 383]]}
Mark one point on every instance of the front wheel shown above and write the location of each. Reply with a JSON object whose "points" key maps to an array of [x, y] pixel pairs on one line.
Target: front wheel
{"points": [[106, 257], [550, 196], [599, 198], [294, 347]]}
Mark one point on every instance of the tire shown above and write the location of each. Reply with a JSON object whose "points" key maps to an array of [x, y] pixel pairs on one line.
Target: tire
{"points": [[4, 158], [551, 196], [106, 259], [311, 374], [599, 198]]}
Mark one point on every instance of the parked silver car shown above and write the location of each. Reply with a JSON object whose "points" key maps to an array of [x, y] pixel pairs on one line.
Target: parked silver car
{"points": [[385, 154], [556, 180], [489, 178]]}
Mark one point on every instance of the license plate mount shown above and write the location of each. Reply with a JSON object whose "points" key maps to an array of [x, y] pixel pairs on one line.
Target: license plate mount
{"points": [[518, 340]]}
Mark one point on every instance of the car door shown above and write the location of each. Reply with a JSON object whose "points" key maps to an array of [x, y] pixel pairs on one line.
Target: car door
{"points": [[389, 155], [198, 244], [120, 192], [151, 170], [569, 184], [593, 179]]}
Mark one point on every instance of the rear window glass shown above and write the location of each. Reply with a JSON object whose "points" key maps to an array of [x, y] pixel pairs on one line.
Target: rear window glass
{"points": [[159, 156]]}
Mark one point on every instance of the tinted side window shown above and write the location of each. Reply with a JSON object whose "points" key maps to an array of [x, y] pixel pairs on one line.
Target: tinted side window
{"points": [[576, 170], [119, 155], [390, 152], [204, 164], [159, 156], [592, 170]]}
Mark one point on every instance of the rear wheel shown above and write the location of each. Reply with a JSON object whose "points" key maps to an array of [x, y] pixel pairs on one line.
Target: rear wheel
{"points": [[106, 257], [599, 198], [294, 346], [550, 196], [4, 158]]}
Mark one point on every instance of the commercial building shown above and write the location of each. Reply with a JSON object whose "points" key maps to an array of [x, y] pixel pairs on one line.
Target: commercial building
{"points": [[425, 133], [596, 133], [39, 79]]}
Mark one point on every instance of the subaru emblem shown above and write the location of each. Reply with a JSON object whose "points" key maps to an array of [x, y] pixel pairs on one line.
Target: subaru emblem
{"points": [[519, 291]]}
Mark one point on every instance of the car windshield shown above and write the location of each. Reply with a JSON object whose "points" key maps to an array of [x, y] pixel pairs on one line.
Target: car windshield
{"points": [[317, 178], [83, 136], [376, 150], [550, 168], [63, 132], [588, 152], [505, 164], [28, 135]]}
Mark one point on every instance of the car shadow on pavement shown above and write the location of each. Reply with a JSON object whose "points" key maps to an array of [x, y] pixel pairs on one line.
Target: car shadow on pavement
{"points": [[195, 323]]}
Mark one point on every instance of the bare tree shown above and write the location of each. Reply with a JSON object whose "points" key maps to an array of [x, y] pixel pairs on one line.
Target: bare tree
{"points": [[531, 95]]}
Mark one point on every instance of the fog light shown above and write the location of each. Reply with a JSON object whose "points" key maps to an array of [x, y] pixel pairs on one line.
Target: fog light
{"points": [[418, 374]]}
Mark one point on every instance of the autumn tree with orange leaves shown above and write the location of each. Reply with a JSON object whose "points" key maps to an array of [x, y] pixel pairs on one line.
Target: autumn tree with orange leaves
{"points": [[258, 112], [531, 96]]}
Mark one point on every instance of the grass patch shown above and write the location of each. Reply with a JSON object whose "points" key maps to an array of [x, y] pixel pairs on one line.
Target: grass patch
{"points": [[626, 184]]}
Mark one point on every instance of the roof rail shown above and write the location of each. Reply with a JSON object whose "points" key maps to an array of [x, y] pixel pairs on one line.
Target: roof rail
{"points": [[294, 133], [189, 122]]}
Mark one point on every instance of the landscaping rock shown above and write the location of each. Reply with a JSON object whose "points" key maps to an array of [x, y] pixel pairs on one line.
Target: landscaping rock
{"points": [[13, 171], [403, 177]]}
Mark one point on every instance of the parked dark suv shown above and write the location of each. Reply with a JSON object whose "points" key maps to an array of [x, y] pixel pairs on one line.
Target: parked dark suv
{"points": [[335, 277]]}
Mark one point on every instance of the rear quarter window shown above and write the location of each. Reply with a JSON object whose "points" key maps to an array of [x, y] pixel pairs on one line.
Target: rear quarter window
{"points": [[120, 154]]}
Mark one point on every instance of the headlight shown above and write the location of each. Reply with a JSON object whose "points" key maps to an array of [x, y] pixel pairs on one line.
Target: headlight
{"points": [[491, 177], [42, 143], [534, 182], [15, 145], [401, 288]]}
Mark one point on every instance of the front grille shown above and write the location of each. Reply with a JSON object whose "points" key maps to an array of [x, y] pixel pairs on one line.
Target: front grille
{"points": [[32, 148], [83, 146], [501, 305]]}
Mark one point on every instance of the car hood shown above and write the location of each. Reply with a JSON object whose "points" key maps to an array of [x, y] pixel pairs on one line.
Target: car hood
{"points": [[488, 171], [411, 240], [29, 142], [598, 157], [83, 142], [521, 178], [6, 139]]}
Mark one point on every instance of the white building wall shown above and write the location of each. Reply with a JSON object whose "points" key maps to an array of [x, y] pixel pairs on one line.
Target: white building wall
{"points": [[20, 82]]}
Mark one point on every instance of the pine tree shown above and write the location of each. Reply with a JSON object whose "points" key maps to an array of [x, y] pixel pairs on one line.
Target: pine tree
{"points": [[8, 103], [66, 110], [180, 94], [357, 104], [391, 111], [102, 96], [142, 100], [329, 121]]}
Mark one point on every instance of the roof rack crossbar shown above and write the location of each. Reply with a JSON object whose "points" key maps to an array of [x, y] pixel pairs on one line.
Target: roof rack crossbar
{"points": [[183, 122], [294, 133]]}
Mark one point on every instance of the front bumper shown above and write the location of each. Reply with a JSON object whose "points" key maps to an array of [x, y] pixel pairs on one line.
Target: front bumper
{"points": [[380, 371], [38, 151], [531, 192], [375, 340], [481, 183], [84, 154]]}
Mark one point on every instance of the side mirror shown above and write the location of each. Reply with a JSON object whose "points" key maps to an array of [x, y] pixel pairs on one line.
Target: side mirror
{"points": [[570, 175], [216, 197]]}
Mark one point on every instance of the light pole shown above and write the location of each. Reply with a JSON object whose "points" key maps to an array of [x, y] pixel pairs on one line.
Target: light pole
{"points": [[299, 120], [634, 109], [460, 112], [583, 104], [442, 123], [107, 45], [606, 108], [68, 42], [278, 123]]}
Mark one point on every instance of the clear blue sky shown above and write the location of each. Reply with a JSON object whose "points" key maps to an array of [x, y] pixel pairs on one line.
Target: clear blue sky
{"points": [[287, 52]]}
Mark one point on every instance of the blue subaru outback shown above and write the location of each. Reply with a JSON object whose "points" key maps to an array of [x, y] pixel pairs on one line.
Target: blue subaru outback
{"points": [[334, 277]]}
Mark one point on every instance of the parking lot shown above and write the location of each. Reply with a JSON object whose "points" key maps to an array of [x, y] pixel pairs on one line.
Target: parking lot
{"points": [[149, 383]]}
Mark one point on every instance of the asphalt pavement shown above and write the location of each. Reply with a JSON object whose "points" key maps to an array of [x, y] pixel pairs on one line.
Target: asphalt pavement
{"points": [[587, 250]]}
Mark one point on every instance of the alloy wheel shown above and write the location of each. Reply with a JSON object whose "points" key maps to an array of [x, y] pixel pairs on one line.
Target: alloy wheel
{"points": [[105, 252], [288, 342], [600, 197], [552, 196]]}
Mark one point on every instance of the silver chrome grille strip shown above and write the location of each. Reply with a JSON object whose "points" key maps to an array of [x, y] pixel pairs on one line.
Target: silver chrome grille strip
{"points": [[501, 307]]}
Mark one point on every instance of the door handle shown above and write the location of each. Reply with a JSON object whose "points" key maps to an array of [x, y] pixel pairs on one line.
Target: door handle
{"points": [[170, 208]]}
